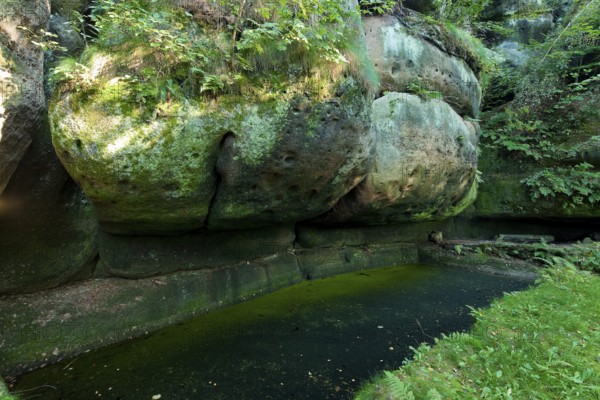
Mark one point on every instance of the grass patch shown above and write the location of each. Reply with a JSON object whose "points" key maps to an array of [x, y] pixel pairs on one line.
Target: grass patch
{"points": [[4, 395], [543, 343]]}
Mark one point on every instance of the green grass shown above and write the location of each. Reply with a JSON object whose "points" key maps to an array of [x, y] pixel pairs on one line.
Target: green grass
{"points": [[543, 343], [4, 395]]}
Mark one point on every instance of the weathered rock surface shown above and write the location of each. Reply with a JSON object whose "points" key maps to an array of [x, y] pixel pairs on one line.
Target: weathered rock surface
{"points": [[68, 37], [512, 54], [22, 102], [423, 168], [403, 59], [319, 153], [589, 150], [47, 226]]}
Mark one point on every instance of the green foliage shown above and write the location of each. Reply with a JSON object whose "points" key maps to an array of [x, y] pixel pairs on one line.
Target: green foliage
{"points": [[43, 39], [420, 88], [569, 55], [70, 70], [398, 390], [162, 37], [519, 131], [4, 394], [573, 186], [583, 255], [555, 92], [302, 25], [475, 52], [463, 12], [376, 7], [537, 344], [182, 57]]}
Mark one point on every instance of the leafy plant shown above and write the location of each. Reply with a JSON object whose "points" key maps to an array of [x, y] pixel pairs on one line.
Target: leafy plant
{"points": [[398, 389], [458, 249], [463, 12], [519, 131], [43, 39], [70, 70], [573, 186], [420, 88], [182, 58], [376, 7]]}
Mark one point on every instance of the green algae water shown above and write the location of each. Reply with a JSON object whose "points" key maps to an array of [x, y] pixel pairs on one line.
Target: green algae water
{"points": [[317, 340]]}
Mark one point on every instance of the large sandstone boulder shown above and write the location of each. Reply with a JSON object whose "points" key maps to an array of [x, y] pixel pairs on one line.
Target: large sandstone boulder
{"points": [[403, 59], [160, 176], [424, 165], [22, 101], [225, 161]]}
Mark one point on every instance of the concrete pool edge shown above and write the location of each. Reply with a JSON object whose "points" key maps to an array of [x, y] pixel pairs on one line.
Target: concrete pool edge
{"points": [[46, 327]]}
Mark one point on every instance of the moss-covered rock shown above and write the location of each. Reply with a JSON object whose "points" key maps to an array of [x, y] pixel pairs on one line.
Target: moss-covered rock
{"points": [[50, 326], [142, 175], [406, 61], [238, 158], [143, 256], [423, 167], [159, 174], [502, 195]]}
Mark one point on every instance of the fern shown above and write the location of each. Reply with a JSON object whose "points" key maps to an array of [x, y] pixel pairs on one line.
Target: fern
{"points": [[398, 389], [433, 394]]}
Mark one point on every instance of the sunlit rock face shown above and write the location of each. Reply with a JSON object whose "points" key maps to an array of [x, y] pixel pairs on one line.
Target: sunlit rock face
{"points": [[404, 60], [423, 167], [22, 102], [231, 163]]}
